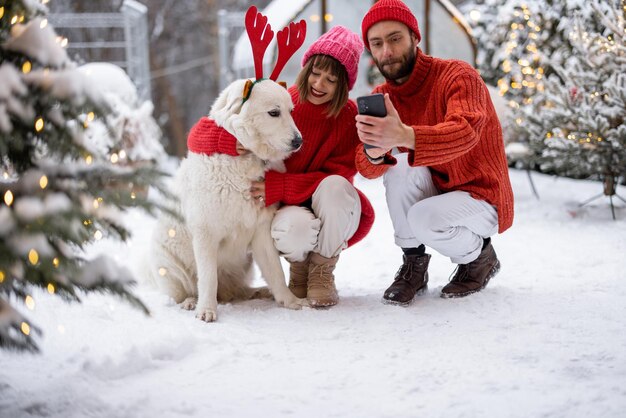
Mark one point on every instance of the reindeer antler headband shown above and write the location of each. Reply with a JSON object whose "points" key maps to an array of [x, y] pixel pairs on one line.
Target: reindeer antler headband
{"points": [[260, 34]]}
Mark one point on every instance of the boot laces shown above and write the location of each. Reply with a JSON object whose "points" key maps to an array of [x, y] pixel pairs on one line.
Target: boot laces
{"points": [[321, 275], [404, 272], [460, 273]]}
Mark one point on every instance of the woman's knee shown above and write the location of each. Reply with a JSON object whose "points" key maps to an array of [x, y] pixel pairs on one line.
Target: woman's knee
{"points": [[335, 187], [336, 193]]}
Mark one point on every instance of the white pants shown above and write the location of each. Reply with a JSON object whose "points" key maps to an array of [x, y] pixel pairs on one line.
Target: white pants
{"points": [[335, 216], [454, 224]]}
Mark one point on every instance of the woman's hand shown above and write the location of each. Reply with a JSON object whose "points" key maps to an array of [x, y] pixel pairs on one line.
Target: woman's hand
{"points": [[257, 191], [240, 149]]}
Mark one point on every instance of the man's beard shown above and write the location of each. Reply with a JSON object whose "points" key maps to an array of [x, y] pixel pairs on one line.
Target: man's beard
{"points": [[407, 62]]}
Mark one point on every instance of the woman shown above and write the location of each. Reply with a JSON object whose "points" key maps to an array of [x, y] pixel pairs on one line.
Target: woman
{"points": [[322, 212]]}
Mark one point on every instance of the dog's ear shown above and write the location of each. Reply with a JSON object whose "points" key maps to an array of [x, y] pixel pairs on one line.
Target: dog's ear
{"points": [[228, 103], [283, 83], [246, 88]]}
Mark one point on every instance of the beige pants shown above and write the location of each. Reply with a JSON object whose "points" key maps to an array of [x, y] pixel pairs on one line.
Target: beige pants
{"points": [[335, 215]]}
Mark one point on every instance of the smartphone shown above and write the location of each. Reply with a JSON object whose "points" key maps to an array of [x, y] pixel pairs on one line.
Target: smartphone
{"points": [[372, 105]]}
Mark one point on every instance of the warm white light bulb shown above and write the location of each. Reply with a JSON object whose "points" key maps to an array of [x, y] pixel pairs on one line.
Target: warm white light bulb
{"points": [[30, 302]]}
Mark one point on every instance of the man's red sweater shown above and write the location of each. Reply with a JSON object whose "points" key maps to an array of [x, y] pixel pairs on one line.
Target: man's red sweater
{"points": [[457, 132], [329, 147]]}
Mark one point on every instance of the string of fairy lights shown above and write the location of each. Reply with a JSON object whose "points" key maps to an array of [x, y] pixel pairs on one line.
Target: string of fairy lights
{"points": [[525, 76], [604, 45]]}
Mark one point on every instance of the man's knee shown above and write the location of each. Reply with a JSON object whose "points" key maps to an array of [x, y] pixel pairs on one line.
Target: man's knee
{"points": [[295, 230], [426, 221]]}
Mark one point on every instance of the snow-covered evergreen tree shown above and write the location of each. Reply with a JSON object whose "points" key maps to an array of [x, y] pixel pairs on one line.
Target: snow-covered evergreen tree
{"points": [[550, 76], [519, 41], [58, 191], [577, 126]]}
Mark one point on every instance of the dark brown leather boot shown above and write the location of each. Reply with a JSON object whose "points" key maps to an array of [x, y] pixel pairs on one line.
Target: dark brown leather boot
{"points": [[473, 277], [298, 276], [411, 278]]}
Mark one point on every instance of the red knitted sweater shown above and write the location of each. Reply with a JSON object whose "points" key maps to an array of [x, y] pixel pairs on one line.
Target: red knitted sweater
{"points": [[457, 132], [328, 147]]}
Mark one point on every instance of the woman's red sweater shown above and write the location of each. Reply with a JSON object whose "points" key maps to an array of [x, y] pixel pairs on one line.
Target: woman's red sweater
{"points": [[329, 147]]}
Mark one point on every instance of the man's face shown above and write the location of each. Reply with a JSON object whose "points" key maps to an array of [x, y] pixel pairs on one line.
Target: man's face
{"points": [[393, 48]]}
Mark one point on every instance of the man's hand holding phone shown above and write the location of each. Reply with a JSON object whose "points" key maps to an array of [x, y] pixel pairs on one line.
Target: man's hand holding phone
{"points": [[379, 126], [372, 105]]}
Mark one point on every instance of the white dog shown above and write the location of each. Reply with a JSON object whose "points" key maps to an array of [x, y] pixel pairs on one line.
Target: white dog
{"points": [[208, 258]]}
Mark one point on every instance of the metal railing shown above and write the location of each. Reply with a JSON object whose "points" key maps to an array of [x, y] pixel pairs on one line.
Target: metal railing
{"points": [[119, 38]]}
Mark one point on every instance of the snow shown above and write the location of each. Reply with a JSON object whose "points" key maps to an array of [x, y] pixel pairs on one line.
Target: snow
{"points": [[65, 85], [23, 243], [6, 220], [30, 208], [100, 269], [112, 80], [131, 125], [545, 338], [37, 39], [11, 89]]}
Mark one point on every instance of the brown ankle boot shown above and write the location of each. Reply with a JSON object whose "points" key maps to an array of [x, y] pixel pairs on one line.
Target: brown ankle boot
{"points": [[298, 276], [321, 290], [473, 277], [411, 279]]}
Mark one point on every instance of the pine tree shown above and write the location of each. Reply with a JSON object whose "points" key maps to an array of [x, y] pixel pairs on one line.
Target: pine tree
{"points": [[58, 192], [548, 76], [519, 41], [577, 126]]}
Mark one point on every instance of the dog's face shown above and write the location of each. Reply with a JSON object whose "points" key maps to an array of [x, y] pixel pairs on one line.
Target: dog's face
{"points": [[263, 124]]}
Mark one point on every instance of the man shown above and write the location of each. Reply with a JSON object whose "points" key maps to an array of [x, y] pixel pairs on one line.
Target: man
{"points": [[448, 188]]}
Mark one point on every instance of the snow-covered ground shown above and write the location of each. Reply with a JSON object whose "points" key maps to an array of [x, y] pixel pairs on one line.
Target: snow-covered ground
{"points": [[546, 338]]}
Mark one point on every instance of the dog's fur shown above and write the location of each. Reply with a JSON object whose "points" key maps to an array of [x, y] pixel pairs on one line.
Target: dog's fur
{"points": [[208, 258]]}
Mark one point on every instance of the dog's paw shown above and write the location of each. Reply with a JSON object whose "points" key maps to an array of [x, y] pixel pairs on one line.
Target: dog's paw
{"points": [[189, 304], [292, 302], [206, 315]]}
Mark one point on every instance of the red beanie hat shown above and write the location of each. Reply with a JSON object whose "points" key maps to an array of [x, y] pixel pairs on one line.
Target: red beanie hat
{"points": [[389, 10], [343, 45]]}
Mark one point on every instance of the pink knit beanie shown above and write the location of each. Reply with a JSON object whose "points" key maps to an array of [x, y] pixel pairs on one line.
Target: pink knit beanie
{"points": [[389, 10], [341, 44]]}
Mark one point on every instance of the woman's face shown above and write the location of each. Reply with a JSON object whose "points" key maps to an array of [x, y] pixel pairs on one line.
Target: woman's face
{"points": [[322, 86]]}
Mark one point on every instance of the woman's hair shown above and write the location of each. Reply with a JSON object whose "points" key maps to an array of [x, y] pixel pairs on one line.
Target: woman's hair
{"points": [[325, 63]]}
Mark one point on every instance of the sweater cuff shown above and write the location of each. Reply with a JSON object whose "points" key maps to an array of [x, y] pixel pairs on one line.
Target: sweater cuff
{"points": [[274, 187], [227, 144]]}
